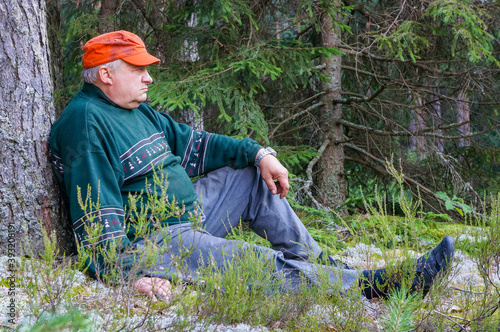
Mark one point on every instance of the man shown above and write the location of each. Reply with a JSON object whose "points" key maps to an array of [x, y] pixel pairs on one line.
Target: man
{"points": [[112, 145]]}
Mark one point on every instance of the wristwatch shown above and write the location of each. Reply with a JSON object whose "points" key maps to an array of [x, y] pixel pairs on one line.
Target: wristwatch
{"points": [[264, 153]]}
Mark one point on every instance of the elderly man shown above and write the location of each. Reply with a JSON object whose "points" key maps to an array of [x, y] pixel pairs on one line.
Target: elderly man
{"points": [[110, 141]]}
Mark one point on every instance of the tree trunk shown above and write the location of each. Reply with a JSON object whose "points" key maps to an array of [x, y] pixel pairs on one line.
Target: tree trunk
{"points": [[56, 54], [417, 122], [190, 54], [28, 194], [437, 120], [463, 114], [107, 14], [331, 182]]}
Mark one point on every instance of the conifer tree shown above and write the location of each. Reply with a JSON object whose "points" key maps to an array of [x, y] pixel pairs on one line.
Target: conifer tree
{"points": [[262, 69]]}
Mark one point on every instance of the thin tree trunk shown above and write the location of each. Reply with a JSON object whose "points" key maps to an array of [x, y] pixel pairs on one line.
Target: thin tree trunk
{"points": [[437, 120], [463, 114], [190, 54], [331, 182], [28, 194], [417, 122]]}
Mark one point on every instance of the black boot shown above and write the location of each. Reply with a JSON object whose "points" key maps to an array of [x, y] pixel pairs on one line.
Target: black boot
{"points": [[425, 270], [432, 264]]}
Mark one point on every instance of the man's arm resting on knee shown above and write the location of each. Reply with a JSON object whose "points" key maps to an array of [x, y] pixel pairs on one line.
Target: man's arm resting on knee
{"points": [[271, 170]]}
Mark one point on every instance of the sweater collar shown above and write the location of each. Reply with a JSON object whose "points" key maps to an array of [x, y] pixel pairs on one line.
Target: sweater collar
{"points": [[93, 91]]}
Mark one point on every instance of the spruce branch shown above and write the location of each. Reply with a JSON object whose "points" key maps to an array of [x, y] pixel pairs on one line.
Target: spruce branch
{"points": [[290, 26], [307, 110], [367, 73], [360, 100], [358, 52], [401, 308], [424, 131], [467, 135]]}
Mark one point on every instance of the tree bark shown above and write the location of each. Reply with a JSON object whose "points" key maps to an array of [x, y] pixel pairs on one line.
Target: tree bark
{"points": [[331, 182], [28, 194], [463, 114], [436, 121], [107, 14], [417, 123]]}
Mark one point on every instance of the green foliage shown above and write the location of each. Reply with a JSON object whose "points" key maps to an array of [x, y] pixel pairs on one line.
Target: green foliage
{"points": [[294, 158], [454, 203], [232, 83], [406, 42], [72, 321], [241, 289], [434, 216], [401, 312], [469, 31], [467, 26], [487, 234]]}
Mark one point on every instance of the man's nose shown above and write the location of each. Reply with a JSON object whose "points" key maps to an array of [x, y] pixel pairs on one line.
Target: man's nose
{"points": [[147, 78]]}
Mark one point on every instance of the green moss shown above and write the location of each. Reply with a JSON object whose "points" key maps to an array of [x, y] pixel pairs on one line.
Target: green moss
{"points": [[440, 230]]}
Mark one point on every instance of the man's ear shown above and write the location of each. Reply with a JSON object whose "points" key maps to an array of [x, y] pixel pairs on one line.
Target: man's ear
{"points": [[105, 75]]}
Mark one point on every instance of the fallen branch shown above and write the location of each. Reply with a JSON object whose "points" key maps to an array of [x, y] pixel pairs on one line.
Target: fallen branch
{"points": [[308, 183], [384, 163], [450, 318], [385, 172], [466, 291], [406, 178]]}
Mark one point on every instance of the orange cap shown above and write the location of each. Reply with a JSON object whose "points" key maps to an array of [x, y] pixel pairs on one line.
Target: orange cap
{"points": [[117, 45]]}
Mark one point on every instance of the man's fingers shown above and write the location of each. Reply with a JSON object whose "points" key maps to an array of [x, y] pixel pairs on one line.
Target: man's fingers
{"points": [[153, 287], [281, 190], [271, 185], [283, 184]]}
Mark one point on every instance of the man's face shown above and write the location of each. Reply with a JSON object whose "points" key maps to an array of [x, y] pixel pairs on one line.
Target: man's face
{"points": [[129, 85]]}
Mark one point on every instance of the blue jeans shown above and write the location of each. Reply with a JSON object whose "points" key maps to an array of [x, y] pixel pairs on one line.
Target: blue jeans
{"points": [[228, 196]]}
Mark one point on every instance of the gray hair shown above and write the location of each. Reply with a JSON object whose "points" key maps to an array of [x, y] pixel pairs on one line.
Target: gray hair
{"points": [[90, 75]]}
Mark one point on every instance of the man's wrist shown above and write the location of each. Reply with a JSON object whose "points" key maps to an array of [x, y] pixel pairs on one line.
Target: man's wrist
{"points": [[264, 153]]}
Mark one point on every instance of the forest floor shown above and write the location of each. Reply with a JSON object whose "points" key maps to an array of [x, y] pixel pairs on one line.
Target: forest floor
{"points": [[92, 299]]}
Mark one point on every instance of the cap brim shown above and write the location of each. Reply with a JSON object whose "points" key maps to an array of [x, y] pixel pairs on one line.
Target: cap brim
{"points": [[142, 59]]}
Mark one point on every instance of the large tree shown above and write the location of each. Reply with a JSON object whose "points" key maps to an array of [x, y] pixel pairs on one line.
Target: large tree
{"points": [[28, 195]]}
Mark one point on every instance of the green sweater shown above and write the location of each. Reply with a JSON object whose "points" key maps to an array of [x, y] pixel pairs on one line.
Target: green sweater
{"points": [[115, 151]]}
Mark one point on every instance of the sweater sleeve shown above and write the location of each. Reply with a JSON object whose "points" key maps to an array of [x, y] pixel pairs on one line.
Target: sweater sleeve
{"points": [[202, 152]]}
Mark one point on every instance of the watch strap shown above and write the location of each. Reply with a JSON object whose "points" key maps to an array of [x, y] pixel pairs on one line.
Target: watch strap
{"points": [[264, 153]]}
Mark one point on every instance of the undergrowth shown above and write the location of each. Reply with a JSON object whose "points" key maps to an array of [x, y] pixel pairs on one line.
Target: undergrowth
{"points": [[58, 297]]}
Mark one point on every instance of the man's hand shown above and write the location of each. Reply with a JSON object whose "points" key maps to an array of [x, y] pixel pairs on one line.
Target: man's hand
{"points": [[154, 287], [271, 170]]}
